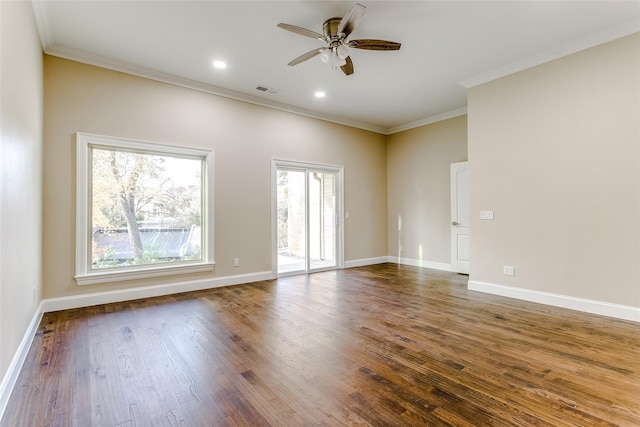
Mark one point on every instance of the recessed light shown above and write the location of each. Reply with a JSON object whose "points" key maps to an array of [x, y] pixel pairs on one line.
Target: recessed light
{"points": [[220, 64], [320, 94]]}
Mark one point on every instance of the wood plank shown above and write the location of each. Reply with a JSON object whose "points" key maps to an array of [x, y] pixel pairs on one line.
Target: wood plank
{"points": [[382, 345]]}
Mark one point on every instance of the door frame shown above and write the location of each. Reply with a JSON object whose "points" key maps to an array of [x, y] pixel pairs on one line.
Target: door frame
{"points": [[339, 210]]}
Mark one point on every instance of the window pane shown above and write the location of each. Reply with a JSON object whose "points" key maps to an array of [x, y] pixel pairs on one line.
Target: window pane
{"points": [[145, 208]]}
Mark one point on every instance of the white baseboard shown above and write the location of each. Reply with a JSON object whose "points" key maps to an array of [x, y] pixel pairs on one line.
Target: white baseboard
{"points": [[366, 261], [421, 263], [617, 311], [11, 376], [86, 300]]}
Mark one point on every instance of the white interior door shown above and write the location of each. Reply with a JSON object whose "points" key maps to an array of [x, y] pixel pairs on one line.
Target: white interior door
{"points": [[460, 217]]}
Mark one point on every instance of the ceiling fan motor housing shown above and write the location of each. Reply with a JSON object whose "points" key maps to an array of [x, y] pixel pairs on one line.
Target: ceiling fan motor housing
{"points": [[330, 30]]}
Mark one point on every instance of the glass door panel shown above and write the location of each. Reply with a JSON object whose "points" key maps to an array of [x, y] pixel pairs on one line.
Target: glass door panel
{"points": [[291, 205], [322, 220]]}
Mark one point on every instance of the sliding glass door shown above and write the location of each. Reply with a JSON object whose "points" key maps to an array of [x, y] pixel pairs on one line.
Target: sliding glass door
{"points": [[308, 210]]}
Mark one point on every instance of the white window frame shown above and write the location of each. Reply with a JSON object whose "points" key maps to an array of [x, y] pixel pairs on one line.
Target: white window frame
{"points": [[84, 274]]}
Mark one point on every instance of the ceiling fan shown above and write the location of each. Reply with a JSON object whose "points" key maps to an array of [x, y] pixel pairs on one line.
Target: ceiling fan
{"points": [[335, 34]]}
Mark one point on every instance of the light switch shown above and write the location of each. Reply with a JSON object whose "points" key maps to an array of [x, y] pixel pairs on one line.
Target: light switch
{"points": [[486, 214]]}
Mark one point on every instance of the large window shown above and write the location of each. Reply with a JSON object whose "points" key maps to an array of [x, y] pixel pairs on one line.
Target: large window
{"points": [[142, 209]]}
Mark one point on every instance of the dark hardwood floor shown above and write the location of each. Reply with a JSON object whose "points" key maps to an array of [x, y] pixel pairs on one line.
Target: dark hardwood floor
{"points": [[383, 345]]}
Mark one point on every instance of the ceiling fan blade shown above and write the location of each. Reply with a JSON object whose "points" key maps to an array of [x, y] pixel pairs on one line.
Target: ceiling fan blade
{"points": [[348, 67], [351, 19], [372, 44], [306, 56], [301, 31]]}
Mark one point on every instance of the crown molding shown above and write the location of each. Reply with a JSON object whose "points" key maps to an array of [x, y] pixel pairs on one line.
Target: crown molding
{"points": [[41, 14], [587, 42], [40, 9], [429, 120], [95, 60]]}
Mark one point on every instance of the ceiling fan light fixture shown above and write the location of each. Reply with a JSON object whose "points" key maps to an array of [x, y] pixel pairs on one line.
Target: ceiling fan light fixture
{"points": [[324, 56], [342, 51]]}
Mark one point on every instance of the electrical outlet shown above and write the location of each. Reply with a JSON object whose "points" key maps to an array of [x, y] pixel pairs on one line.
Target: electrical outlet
{"points": [[508, 270], [236, 262]]}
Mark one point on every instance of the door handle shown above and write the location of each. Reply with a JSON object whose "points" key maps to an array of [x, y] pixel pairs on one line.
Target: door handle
{"points": [[454, 223]]}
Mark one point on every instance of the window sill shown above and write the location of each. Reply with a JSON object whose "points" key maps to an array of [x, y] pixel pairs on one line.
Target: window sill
{"points": [[142, 273]]}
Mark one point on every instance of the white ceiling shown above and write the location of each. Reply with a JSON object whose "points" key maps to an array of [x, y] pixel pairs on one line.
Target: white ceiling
{"points": [[446, 45]]}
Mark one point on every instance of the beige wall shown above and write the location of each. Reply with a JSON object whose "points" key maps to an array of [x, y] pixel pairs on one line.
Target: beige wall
{"points": [[419, 192], [244, 137], [20, 175], [555, 151]]}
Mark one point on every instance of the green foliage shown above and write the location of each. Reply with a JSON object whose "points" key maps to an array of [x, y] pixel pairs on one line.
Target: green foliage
{"points": [[107, 261]]}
